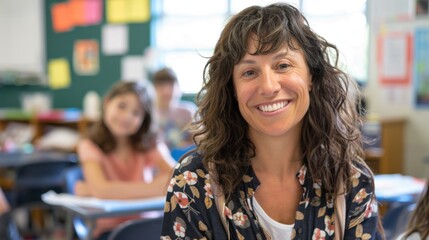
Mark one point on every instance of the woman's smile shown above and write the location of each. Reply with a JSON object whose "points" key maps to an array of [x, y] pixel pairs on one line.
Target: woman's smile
{"points": [[272, 107]]}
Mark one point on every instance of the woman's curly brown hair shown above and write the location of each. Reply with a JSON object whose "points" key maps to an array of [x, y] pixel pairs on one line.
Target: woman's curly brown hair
{"points": [[145, 137], [331, 139]]}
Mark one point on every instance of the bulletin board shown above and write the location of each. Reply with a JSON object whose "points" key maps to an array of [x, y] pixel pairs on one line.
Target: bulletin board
{"points": [[421, 67], [394, 58], [88, 68]]}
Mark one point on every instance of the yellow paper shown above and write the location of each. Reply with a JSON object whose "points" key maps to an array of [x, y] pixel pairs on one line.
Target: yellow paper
{"points": [[117, 11], [59, 73], [127, 11], [138, 10]]}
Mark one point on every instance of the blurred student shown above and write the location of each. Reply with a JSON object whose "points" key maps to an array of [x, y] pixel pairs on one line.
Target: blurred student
{"points": [[418, 227], [121, 158], [173, 115]]}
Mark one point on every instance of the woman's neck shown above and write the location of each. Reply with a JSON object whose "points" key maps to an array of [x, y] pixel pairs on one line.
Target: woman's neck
{"points": [[281, 157]]}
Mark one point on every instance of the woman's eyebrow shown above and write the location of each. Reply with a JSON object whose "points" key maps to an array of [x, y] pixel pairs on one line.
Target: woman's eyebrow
{"points": [[280, 55], [246, 61], [283, 54]]}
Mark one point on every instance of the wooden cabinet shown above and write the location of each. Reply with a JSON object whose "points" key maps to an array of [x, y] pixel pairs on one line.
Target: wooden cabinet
{"points": [[388, 157]]}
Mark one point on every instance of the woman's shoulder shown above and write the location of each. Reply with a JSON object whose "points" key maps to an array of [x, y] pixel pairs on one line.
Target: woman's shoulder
{"points": [[192, 162], [361, 172]]}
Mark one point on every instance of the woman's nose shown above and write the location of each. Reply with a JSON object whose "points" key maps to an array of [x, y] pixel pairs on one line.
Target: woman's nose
{"points": [[269, 84]]}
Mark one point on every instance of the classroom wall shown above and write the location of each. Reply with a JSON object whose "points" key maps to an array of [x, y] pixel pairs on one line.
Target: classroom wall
{"points": [[398, 101], [60, 45], [43, 43]]}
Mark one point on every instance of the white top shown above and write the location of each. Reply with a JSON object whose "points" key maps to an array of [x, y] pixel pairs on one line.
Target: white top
{"points": [[414, 236], [275, 229]]}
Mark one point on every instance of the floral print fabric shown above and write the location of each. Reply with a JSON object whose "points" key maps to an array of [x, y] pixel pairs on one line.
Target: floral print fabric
{"points": [[191, 213]]}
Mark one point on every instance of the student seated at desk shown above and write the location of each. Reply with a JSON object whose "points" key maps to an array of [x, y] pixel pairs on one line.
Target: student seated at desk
{"points": [[173, 115], [121, 158], [418, 228]]}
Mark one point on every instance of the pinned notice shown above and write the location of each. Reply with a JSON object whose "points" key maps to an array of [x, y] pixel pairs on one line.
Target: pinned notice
{"points": [[59, 73]]}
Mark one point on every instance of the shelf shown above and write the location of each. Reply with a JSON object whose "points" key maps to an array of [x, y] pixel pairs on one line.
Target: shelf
{"points": [[72, 119], [388, 158]]}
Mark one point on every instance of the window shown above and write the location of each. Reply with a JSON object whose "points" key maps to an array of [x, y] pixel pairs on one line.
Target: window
{"points": [[344, 24], [184, 33]]}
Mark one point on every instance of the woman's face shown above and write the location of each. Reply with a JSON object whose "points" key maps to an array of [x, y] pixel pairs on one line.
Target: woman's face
{"points": [[272, 91], [123, 115]]}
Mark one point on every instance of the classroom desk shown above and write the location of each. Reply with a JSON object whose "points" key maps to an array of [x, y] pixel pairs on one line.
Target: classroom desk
{"points": [[391, 188], [397, 189], [91, 209], [13, 160]]}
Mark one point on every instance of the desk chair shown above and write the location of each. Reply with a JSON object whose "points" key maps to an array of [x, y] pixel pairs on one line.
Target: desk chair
{"points": [[177, 153], [140, 229], [34, 179], [31, 181], [395, 221], [71, 176]]}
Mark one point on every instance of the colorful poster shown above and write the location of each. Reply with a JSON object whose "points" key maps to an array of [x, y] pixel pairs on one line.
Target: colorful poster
{"points": [[127, 11], [116, 11], [93, 12], [421, 67], [138, 10], [59, 73], [62, 21], [394, 58], [76, 8], [86, 57], [67, 15]]}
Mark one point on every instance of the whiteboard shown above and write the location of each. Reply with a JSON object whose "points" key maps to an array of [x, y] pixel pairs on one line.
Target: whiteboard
{"points": [[22, 36]]}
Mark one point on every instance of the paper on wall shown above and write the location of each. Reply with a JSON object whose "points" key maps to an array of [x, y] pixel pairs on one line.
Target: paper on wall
{"points": [[114, 39]]}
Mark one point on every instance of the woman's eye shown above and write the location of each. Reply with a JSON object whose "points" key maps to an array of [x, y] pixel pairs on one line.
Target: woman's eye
{"points": [[248, 73], [283, 66]]}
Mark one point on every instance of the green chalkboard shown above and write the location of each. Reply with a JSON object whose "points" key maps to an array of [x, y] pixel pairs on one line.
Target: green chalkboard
{"points": [[60, 45]]}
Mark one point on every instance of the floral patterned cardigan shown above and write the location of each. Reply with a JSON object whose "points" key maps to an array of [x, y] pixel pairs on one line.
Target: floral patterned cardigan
{"points": [[191, 213]]}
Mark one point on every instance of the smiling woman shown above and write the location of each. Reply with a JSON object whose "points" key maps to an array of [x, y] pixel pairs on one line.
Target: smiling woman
{"points": [[277, 138], [272, 90]]}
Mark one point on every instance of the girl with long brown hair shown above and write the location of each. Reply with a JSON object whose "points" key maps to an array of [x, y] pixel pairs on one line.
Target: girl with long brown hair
{"points": [[121, 158]]}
